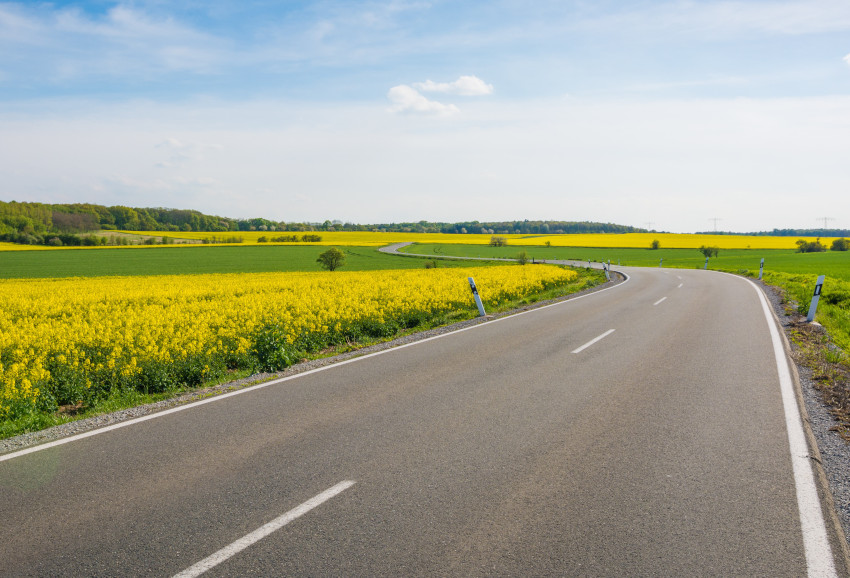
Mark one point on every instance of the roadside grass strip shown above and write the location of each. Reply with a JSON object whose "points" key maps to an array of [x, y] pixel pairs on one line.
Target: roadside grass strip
{"points": [[229, 551]]}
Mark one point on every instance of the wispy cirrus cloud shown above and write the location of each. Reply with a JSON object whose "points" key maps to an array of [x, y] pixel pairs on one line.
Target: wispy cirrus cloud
{"points": [[847, 59], [780, 17], [124, 42]]}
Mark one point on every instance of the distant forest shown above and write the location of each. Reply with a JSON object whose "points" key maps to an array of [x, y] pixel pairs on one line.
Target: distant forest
{"points": [[788, 233], [40, 223]]}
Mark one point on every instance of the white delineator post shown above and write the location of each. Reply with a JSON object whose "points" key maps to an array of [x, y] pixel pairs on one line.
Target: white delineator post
{"points": [[661, 262], [706, 263], [761, 268], [477, 297], [815, 298]]}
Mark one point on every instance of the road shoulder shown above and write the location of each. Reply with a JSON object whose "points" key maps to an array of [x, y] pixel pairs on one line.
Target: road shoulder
{"points": [[832, 453]]}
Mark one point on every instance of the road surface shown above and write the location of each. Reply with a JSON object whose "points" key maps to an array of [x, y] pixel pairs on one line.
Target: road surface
{"points": [[637, 431]]}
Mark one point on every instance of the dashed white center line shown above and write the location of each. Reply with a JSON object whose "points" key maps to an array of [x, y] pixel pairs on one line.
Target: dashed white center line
{"points": [[592, 341], [680, 286], [659, 301], [260, 533]]}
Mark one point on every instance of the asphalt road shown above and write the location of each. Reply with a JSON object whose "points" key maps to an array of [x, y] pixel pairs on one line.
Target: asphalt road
{"points": [[660, 449]]}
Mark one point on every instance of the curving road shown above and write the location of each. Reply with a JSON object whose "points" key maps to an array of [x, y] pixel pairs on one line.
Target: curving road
{"points": [[640, 431]]}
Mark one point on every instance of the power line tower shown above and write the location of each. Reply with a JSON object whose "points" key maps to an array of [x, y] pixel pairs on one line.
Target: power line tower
{"points": [[649, 225], [826, 221], [715, 219]]}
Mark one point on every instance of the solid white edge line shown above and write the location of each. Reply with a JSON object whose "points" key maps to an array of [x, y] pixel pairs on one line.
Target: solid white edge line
{"points": [[259, 386], [659, 301], [819, 557], [592, 341], [263, 531]]}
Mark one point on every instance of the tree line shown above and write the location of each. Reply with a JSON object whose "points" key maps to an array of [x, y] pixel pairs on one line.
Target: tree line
{"points": [[41, 223]]}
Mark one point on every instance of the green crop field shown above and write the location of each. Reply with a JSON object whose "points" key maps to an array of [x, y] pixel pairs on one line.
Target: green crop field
{"points": [[191, 260], [794, 272], [831, 263]]}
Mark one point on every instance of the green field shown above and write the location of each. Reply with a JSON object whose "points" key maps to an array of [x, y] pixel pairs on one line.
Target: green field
{"points": [[794, 272], [835, 264], [191, 260]]}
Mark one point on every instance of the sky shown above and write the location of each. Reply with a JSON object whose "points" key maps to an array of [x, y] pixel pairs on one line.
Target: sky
{"points": [[676, 115]]}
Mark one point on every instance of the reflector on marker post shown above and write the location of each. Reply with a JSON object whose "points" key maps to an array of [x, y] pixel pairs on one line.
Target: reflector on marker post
{"points": [[477, 297], [661, 262], [761, 268], [815, 298]]}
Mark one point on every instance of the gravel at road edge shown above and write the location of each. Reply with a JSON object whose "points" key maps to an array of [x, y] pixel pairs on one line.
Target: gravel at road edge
{"points": [[834, 451]]}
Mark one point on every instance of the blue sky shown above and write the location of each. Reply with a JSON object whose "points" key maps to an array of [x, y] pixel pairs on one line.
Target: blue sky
{"points": [[665, 112]]}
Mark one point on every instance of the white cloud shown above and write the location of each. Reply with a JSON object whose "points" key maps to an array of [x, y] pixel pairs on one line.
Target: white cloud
{"points": [[407, 99], [847, 59], [463, 86]]}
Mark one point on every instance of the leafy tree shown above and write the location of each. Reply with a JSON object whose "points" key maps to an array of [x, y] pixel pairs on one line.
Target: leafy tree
{"points": [[840, 245], [522, 257], [332, 259], [709, 251], [498, 241], [656, 244]]}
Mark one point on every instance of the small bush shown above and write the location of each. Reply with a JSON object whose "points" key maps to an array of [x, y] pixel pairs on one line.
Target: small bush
{"points": [[431, 264], [804, 246], [263, 239], [656, 244], [311, 238], [522, 258]]}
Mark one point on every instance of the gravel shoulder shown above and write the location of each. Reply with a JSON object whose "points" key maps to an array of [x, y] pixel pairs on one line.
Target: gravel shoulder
{"points": [[834, 451]]}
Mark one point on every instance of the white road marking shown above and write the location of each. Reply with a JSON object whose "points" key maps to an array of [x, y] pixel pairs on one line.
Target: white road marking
{"points": [[678, 276], [260, 533], [592, 341], [816, 544], [680, 286], [259, 386], [659, 301]]}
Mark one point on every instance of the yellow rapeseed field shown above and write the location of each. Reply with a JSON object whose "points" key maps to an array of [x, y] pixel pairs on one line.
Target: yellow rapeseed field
{"points": [[371, 239], [66, 340], [626, 240], [18, 247]]}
